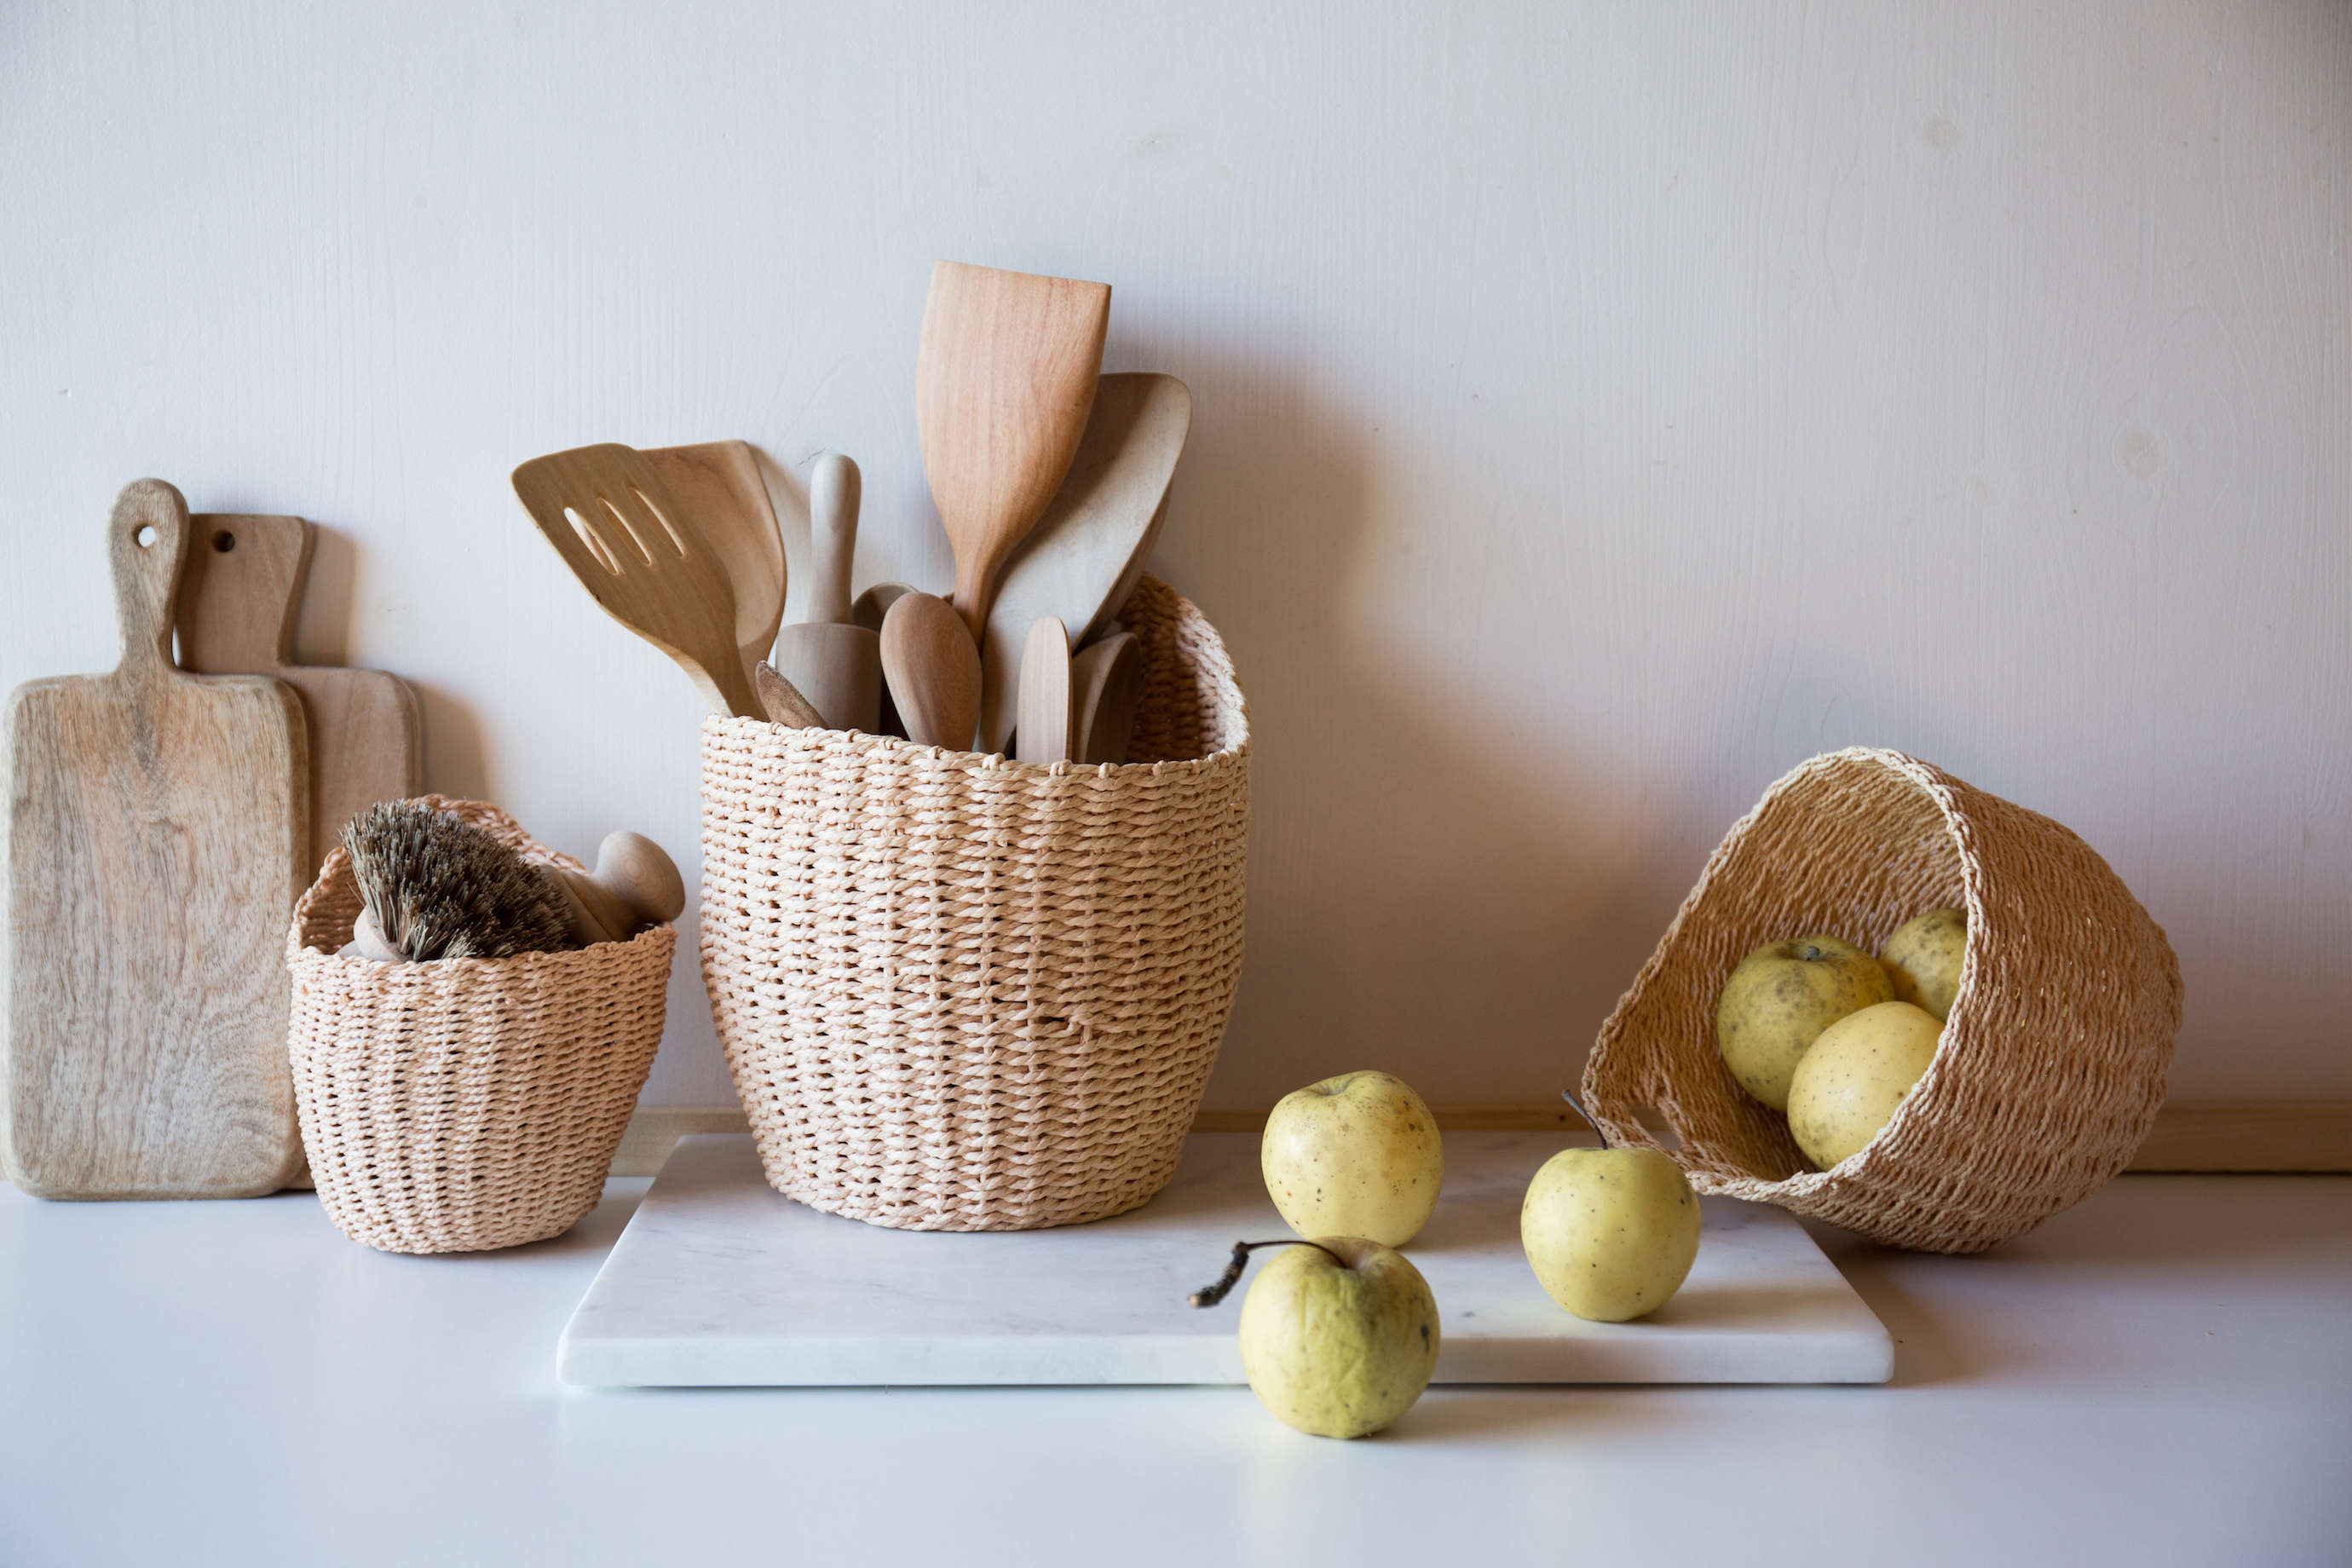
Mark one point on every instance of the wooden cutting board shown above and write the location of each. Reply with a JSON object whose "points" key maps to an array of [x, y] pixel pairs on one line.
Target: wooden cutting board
{"points": [[156, 830], [240, 594]]}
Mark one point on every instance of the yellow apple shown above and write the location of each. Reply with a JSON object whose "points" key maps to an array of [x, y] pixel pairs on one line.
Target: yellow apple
{"points": [[1353, 1155], [1781, 998], [1924, 957], [1338, 1337], [1848, 1084], [1611, 1233]]}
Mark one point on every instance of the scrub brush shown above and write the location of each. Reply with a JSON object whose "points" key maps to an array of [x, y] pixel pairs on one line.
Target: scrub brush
{"points": [[435, 886]]}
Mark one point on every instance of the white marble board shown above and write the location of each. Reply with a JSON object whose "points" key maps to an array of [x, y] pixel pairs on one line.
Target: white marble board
{"points": [[720, 1281]]}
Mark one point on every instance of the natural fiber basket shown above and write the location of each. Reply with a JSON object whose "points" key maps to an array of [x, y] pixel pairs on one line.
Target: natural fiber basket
{"points": [[959, 992], [468, 1103], [2051, 1066]]}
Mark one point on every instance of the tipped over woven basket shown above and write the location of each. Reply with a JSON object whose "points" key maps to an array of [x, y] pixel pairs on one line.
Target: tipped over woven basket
{"points": [[959, 993], [2051, 1066], [468, 1103]]}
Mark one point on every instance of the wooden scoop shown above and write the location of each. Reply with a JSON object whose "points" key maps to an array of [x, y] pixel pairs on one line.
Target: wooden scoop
{"points": [[719, 485], [634, 548], [933, 669], [1003, 382], [836, 665], [1081, 561]]}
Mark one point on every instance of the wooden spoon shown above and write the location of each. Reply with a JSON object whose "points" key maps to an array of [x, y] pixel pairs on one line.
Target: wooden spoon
{"points": [[1043, 735], [933, 669], [781, 703], [719, 485], [1106, 684], [638, 555], [1003, 382], [1081, 561]]}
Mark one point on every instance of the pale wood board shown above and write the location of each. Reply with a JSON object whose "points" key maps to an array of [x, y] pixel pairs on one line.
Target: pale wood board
{"points": [[632, 545], [1005, 377], [1082, 559], [240, 596], [2287, 1136], [157, 824]]}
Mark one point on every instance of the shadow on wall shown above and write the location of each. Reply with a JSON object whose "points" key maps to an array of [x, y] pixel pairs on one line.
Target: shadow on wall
{"points": [[1429, 893]]}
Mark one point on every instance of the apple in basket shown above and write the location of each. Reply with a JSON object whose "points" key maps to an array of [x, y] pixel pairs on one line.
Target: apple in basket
{"points": [[1781, 998], [1338, 1335], [1922, 957], [1856, 1075], [1357, 1155]]}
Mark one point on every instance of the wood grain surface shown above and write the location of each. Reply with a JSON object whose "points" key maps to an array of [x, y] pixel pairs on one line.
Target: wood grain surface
{"points": [[157, 825], [240, 593]]}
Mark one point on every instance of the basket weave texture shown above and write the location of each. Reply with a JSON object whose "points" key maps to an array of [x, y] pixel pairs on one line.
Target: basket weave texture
{"points": [[959, 993], [2051, 1066], [469, 1103]]}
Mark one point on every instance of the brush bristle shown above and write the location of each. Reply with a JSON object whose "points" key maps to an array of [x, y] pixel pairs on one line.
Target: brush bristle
{"points": [[441, 888]]}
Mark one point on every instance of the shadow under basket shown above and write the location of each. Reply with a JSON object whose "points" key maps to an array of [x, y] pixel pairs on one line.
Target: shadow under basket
{"points": [[2050, 1068], [468, 1103], [962, 993]]}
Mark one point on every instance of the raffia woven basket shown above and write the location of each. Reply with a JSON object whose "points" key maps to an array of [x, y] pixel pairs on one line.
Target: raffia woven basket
{"points": [[2050, 1067], [469, 1103], [959, 992]]}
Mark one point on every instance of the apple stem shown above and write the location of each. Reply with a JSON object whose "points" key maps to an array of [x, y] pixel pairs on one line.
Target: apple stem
{"points": [[1210, 1295], [1598, 1130]]}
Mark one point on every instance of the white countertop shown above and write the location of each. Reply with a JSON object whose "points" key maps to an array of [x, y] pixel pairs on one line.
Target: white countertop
{"points": [[2162, 1376]]}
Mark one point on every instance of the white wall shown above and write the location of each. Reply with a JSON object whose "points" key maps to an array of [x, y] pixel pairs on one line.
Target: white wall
{"points": [[1599, 409]]}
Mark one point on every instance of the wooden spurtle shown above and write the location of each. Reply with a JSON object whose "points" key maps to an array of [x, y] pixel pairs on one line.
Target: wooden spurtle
{"points": [[1043, 735], [836, 665], [240, 594], [632, 547], [781, 703], [717, 485], [1003, 382], [157, 833], [933, 669], [1106, 684], [1081, 561]]}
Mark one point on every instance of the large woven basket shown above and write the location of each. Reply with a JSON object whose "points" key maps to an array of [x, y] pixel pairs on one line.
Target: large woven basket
{"points": [[469, 1103], [959, 992], [2052, 1064]]}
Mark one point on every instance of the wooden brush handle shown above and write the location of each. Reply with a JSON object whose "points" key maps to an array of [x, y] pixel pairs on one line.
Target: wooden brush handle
{"points": [[635, 885]]}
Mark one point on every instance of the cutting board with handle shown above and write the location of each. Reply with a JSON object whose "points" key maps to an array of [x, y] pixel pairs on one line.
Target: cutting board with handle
{"points": [[240, 594], [157, 828]]}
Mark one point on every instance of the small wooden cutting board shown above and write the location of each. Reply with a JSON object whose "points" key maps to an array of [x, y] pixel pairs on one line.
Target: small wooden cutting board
{"points": [[156, 831], [240, 594]]}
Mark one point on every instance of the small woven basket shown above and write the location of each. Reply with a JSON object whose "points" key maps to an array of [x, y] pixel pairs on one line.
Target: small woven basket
{"points": [[959, 992], [469, 1103], [2050, 1067]]}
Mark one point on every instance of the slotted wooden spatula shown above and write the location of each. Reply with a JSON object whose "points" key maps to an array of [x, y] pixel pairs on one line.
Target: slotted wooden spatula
{"points": [[632, 547], [1003, 382], [718, 484]]}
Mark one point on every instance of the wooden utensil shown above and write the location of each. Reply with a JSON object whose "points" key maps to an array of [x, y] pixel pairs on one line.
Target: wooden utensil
{"points": [[240, 594], [631, 546], [781, 703], [1004, 380], [1106, 684], [836, 665], [1081, 561], [718, 485], [157, 829], [933, 669], [636, 884], [872, 606], [1043, 733]]}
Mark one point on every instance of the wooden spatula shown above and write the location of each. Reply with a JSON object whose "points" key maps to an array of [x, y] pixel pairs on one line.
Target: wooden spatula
{"points": [[1003, 382], [1081, 561], [632, 547], [1043, 735], [933, 669], [836, 665], [1106, 684], [718, 485], [156, 836]]}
